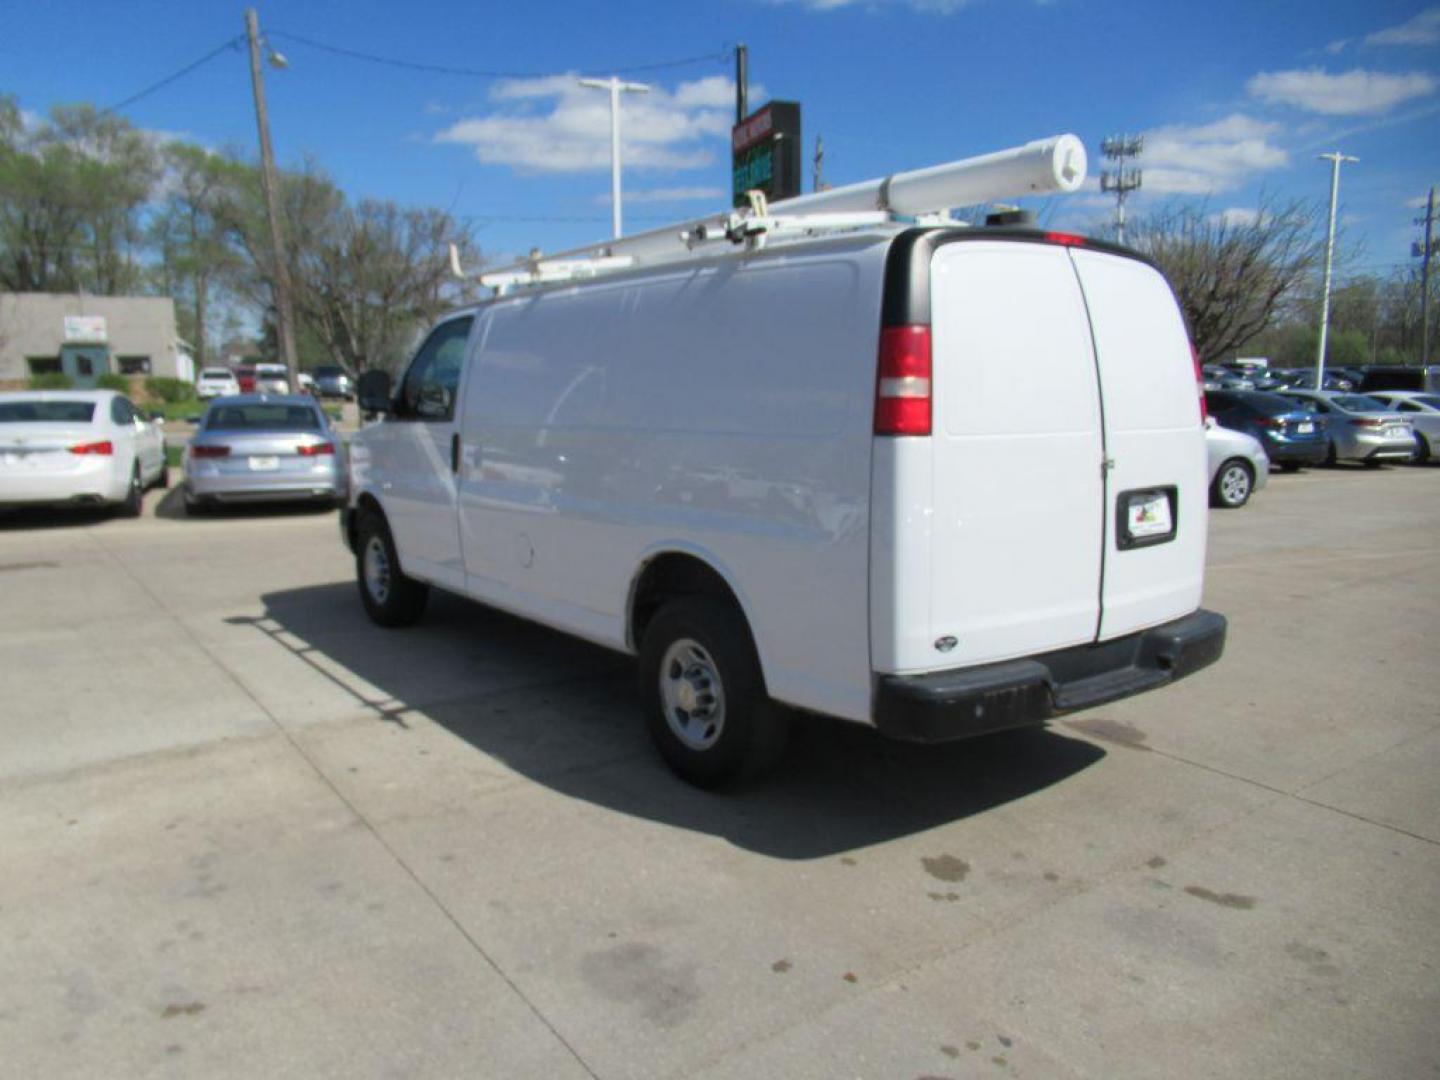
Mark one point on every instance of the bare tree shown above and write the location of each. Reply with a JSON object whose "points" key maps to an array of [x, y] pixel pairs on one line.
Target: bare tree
{"points": [[1234, 278]]}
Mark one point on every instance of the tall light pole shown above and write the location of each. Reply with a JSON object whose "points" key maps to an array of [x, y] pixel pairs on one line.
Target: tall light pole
{"points": [[1335, 158], [615, 86], [284, 311]]}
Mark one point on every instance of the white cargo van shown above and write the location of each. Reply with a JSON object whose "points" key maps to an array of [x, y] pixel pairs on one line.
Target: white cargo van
{"points": [[942, 481]]}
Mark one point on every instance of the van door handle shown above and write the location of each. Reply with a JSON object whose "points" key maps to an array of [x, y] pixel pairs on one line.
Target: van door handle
{"points": [[455, 452]]}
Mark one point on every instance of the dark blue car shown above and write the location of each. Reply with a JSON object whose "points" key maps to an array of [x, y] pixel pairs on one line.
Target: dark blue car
{"points": [[1292, 436]]}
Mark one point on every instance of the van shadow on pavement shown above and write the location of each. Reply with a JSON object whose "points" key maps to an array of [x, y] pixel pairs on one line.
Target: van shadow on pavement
{"points": [[566, 714]]}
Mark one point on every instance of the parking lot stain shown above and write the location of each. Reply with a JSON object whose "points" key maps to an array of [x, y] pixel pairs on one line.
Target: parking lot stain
{"points": [[1155, 862], [194, 1008], [850, 977], [946, 868], [950, 1051], [781, 966], [1316, 958], [1051, 876], [846, 860], [950, 896], [666, 993], [972, 1044], [6, 568], [1115, 731], [1230, 900]]}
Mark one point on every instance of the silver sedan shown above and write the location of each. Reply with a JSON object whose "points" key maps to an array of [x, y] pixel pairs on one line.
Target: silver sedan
{"points": [[1239, 466], [263, 448], [1422, 409], [1360, 427]]}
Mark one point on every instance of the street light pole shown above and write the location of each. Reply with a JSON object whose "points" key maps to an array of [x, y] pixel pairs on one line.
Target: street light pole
{"points": [[615, 86], [1335, 158], [284, 312]]}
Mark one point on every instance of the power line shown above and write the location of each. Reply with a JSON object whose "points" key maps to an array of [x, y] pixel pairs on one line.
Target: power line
{"points": [[232, 43], [480, 73]]}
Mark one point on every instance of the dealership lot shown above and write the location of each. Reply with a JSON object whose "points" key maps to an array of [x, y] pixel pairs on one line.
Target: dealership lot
{"points": [[246, 832]]}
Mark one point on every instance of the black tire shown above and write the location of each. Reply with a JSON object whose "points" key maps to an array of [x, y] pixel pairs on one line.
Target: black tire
{"points": [[1330, 456], [1372, 463], [1422, 449], [710, 636], [163, 480], [1234, 482], [1290, 466], [391, 599], [134, 502]]}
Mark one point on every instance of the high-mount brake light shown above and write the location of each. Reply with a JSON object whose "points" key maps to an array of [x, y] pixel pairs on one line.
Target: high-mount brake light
{"points": [[1068, 239], [902, 384], [1200, 385], [316, 449], [209, 451], [105, 448]]}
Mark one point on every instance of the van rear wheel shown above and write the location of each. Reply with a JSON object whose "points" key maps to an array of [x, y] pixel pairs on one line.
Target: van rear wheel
{"points": [[704, 694], [391, 599]]}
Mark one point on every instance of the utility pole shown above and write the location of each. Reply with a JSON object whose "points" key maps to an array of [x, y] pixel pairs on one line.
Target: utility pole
{"points": [[1335, 158], [1428, 221], [615, 86], [1125, 179], [742, 83], [284, 311]]}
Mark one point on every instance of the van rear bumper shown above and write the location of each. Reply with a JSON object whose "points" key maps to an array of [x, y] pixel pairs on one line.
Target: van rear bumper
{"points": [[944, 705]]}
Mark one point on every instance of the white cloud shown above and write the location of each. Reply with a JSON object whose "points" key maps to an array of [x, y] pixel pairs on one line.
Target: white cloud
{"points": [[1237, 217], [1423, 29], [553, 124], [1348, 94], [672, 194], [1184, 159]]}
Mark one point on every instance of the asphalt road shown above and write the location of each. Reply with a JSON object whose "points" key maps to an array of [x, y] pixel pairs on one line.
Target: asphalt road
{"points": [[245, 833]]}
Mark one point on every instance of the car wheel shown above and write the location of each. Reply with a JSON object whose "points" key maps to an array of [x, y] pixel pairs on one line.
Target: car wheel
{"points": [[163, 480], [1233, 484], [704, 694], [1422, 449], [134, 501], [1330, 456], [391, 599]]}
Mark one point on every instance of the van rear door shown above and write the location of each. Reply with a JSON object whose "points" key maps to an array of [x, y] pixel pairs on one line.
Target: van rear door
{"points": [[1018, 492], [1156, 483]]}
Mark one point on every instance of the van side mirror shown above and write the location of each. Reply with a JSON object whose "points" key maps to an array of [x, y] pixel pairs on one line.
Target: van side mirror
{"points": [[373, 392]]}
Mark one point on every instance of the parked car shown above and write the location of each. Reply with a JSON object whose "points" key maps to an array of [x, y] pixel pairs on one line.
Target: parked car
{"points": [[1238, 465], [1219, 377], [272, 379], [78, 448], [261, 448], [307, 383], [1401, 377], [216, 382], [933, 558], [1359, 428], [1304, 379], [1423, 412], [1291, 435], [245, 376], [334, 381]]}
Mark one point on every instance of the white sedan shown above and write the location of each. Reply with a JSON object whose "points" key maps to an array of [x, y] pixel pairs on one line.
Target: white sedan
{"points": [[216, 382], [78, 448], [1239, 466]]}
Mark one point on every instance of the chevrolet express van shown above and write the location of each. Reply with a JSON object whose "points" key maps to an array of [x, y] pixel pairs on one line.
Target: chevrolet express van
{"points": [[941, 481]]}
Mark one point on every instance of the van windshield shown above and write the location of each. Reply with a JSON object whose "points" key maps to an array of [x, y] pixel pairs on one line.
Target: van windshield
{"points": [[46, 412]]}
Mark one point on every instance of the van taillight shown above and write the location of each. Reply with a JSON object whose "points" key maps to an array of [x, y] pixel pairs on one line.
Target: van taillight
{"points": [[1200, 385], [902, 386], [105, 448]]}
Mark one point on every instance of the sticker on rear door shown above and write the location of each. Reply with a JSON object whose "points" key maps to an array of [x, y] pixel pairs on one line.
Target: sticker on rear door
{"points": [[1146, 517]]}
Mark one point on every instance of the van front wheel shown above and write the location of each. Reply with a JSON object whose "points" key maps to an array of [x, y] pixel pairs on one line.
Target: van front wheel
{"points": [[704, 696], [391, 599]]}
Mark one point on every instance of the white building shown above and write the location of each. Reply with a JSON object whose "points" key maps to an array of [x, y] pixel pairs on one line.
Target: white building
{"points": [[86, 336]]}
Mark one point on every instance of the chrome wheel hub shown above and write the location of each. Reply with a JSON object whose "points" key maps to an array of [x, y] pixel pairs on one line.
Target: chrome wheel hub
{"points": [[692, 694], [377, 570], [1235, 484]]}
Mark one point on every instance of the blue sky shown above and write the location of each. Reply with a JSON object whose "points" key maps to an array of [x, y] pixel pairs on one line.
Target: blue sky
{"points": [[1234, 97]]}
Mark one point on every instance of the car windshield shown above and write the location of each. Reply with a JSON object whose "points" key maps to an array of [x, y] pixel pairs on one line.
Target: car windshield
{"points": [[1359, 403], [263, 418], [329, 372], [215, 373], [46, 412]]}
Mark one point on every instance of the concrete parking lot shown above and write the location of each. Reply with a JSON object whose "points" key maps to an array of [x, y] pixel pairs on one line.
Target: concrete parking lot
{"points": [[246, 833]]}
